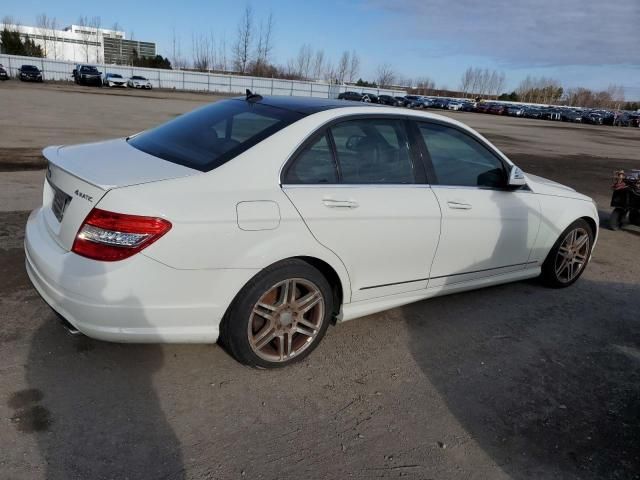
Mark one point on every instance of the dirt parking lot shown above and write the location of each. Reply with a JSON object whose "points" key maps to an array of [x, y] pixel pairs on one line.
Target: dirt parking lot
{"points": [[516, 381]]}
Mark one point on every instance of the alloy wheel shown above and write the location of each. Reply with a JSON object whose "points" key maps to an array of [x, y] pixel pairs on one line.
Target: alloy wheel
{"points": [[572, 255], [286, 320]]}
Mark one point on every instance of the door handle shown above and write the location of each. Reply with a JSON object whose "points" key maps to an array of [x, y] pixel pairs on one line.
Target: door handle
{"points": [[459, 205], [332, 203]]}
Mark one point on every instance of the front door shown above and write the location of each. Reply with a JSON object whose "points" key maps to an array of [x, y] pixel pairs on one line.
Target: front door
{"points": [[487, 229]]}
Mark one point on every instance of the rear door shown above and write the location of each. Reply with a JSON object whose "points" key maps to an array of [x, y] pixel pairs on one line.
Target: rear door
{"points": [[361, 190]]}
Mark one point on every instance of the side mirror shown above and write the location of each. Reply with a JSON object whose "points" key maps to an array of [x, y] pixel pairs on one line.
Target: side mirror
{"points": [[516, 177]]}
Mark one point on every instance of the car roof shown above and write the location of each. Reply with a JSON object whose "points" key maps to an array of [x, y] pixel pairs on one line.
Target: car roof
{"points": [[305, 105]]}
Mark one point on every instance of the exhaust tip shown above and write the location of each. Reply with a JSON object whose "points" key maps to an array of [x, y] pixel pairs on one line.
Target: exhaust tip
{"points": [[67, 325]]}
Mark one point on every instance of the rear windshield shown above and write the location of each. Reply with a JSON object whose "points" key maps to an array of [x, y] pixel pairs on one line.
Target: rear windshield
{"points": [[211, 136]]}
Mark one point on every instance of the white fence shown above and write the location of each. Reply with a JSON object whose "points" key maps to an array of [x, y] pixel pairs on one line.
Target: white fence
{"points": [[60, 70]]}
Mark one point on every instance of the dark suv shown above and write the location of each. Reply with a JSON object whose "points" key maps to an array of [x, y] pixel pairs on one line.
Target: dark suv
{"points": [[87, 75], [30, 73], [355, 96], [3, 73]]}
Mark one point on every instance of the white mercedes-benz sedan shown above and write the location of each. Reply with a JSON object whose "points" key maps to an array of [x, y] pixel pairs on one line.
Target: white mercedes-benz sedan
{"points": [[259, 221]]}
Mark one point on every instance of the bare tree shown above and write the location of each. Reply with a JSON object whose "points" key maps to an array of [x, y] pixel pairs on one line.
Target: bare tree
{"points": [[501, 83], [354, 66], [201, 47], [331, 72], [539, 90], [264, 49], [96, 22], [242, 46], [85, 35], [43, 25], [467, 81], [177, 60], [223, 58], [54, 37], [385, 76], [8, 21], [343, 67], [425, 86], [318, 64], [303, 61]]}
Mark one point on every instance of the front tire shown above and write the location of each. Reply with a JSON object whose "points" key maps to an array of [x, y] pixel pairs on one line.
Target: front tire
{"points": [[279, 317], [569, 256]]}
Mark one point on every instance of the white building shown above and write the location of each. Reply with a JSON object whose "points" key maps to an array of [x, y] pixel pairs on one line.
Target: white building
{"points": [[78, 43]]}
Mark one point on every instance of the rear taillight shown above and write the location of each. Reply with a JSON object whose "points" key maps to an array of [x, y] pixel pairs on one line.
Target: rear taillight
{"points": [[109, 236]]}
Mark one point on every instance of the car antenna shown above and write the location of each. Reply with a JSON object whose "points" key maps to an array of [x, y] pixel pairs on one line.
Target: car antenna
{"points": [[253, 97]]}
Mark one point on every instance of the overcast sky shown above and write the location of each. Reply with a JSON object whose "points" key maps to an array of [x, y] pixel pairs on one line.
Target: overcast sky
{"points": [[592, 43]]}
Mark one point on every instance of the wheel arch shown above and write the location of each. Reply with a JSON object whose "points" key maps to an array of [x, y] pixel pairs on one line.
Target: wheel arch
{"points": [[332, 277], [327, 270], [592, 223]]}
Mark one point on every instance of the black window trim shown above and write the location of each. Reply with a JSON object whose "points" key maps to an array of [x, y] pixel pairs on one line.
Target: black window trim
{"points": [[419, 167], [429, 163]]}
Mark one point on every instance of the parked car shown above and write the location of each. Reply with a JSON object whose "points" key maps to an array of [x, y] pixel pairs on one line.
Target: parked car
{"points": [[570, 115], [4, 75], [454, 105], [532, 112], [29, 73], [483, 107], [87, 75], [139, 82], [593, 118], [468, 106], [122, 246], [400, 101], [389, 100], [549, 113], [353, 96], [421, 102], [497, 109], [373, 98], [515, 110], [440, 103], [410, 99], [114, 80]]}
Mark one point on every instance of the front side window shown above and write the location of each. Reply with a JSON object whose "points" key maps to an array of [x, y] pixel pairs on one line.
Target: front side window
{"points": [[373, 151], [210, 136], [460, 160]]}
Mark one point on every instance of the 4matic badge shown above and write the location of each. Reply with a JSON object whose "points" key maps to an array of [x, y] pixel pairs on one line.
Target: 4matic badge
{"points": [[78, 193]]}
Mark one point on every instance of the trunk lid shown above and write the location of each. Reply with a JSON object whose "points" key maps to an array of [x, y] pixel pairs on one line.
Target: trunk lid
{"points": [[79, 176]]}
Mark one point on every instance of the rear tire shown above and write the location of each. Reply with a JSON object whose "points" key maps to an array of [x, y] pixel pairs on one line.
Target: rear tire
{"points": [[617, 218], [279, 317], [569, 256]]}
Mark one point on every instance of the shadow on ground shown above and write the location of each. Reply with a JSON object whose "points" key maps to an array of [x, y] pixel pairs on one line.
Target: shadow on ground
{"points": [[546, 392], [92, 405]]}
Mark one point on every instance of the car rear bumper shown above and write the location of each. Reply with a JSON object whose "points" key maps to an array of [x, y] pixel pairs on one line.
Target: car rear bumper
{"points": [[134, 300]]}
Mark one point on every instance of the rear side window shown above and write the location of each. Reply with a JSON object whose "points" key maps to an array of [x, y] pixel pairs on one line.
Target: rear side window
{"points": [[461, 160], [314, 165], [211, 136], [373, 151]]}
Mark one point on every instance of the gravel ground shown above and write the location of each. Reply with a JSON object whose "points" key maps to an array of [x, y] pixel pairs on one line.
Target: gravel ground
{"points": [[516, 381]]}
